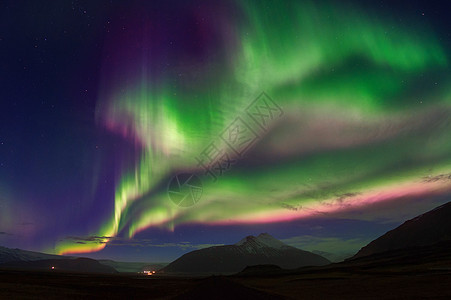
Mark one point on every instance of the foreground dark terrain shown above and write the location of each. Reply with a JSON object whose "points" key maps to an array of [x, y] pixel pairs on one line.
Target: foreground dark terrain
{"points": [[324, 285], [394, 275]]}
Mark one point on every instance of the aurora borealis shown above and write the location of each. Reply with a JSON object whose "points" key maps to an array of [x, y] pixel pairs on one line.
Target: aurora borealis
{"points": [[364, 137]]}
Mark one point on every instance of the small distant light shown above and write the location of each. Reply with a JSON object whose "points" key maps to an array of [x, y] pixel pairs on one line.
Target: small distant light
{"points": [[146, 272], [53, 268]]}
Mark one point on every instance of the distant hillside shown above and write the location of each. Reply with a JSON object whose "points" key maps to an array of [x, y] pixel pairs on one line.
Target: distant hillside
{"points": [[9, 258], [9, 255], [427, 229], [81, 265], [30, 260], [334, 257], [260, 250]]}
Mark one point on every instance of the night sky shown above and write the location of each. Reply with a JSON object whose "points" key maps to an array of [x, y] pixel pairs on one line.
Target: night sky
{"points": [[323, 123]]}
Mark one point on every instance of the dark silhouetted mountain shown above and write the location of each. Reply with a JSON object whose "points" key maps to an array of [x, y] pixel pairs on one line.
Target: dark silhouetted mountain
{"points": [[260, 250], [81, 265], [427, 229]]}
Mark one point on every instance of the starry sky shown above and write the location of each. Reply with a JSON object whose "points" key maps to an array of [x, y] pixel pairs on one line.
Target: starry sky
{"points": [[323, 123]]}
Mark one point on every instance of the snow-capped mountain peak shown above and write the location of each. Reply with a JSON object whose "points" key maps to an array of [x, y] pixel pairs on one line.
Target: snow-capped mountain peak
{"points": [[263, 240]]}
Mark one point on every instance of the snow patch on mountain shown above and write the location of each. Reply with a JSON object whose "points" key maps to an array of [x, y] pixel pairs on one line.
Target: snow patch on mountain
{"points": [[263, 240]]}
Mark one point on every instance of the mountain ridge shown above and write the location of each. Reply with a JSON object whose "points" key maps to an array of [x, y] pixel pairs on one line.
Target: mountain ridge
{"points": [[426, 229], [10, 255]]}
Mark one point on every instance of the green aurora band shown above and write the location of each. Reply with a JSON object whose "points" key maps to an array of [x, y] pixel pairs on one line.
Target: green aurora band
{"points": [[366, 119]]}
